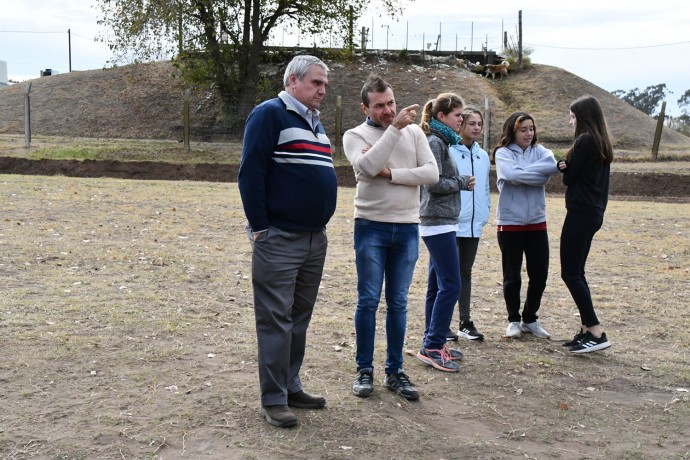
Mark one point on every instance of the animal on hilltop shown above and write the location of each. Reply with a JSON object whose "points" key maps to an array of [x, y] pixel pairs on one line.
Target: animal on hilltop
{"points": [[493, 69]]}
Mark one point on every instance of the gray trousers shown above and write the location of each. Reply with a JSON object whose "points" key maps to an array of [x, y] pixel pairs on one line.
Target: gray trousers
{"points": [[286, 273]]}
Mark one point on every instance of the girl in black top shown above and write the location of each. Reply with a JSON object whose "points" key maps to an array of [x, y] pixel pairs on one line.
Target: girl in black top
{"points": [[586, 171]]}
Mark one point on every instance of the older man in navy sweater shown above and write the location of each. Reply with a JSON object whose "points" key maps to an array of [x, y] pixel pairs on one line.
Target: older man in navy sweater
{"points": [[288, 187]]}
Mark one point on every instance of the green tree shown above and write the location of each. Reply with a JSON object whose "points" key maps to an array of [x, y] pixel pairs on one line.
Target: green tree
{"points": [[646, 101], [684, 102], [682, 122], [220, 40]]}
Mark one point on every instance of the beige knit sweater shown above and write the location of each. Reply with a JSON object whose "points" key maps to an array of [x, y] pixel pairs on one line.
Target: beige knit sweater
{"points": [[407, 154]]}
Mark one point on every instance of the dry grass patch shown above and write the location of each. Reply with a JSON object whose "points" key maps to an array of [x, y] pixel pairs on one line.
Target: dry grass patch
{"points": [[127, 329], [171, 151]]}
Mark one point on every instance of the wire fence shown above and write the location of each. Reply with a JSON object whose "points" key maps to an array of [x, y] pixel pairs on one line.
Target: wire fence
{"points": [[404, 35]]}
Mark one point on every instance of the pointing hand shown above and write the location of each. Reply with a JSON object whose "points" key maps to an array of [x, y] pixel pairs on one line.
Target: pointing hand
{"points": [[405, 117]]}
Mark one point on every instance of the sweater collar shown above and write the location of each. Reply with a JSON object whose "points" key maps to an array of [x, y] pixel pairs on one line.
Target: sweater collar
{"points": [[371, 122], [311, 116], [469, 148]]}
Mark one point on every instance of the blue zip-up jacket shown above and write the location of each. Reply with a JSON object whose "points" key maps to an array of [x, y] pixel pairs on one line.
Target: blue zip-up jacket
{"points": [[286, 178], [521, 177], [476, 204]]}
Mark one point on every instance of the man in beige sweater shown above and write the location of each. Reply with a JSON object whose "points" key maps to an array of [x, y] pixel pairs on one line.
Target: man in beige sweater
{"points": [[391, 159]]}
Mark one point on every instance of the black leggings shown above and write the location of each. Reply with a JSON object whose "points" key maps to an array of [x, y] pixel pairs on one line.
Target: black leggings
{"points": [[576, 240], [467, 251], [535, 246]]}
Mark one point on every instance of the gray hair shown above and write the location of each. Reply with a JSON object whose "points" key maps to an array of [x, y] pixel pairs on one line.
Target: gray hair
{"points": [[299, 66]]}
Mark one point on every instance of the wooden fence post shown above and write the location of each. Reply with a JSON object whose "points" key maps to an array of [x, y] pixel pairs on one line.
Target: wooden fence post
{"points": [[185, 120], [487, 124], [338, 125], [27, 116], [657, 134]]}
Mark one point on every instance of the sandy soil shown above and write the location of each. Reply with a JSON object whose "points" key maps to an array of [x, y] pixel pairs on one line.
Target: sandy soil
{"points": [[127, 333]]}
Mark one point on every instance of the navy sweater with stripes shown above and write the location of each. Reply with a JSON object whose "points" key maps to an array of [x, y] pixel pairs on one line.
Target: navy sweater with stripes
{"points": [[286, 178]]}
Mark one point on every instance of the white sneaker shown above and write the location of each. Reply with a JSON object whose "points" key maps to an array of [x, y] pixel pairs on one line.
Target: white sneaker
{"points": [[513, 330], [535, 329]]}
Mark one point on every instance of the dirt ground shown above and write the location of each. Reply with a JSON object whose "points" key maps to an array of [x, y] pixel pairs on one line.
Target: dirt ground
{"points": [[127, 333], [126, 316]]}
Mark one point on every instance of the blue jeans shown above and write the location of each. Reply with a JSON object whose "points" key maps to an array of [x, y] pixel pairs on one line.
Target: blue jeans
{"points": [[443, 288], [383, 251]]}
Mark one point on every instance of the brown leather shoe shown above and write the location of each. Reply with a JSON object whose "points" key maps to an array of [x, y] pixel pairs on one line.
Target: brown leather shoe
{"points": [[304, 400], [279, 416]]}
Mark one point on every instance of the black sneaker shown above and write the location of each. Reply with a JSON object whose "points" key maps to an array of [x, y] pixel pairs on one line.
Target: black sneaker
{"points": [[400, 383], [451, 336], [468, 331], [363, 385], [576, 340], [589, 343]]}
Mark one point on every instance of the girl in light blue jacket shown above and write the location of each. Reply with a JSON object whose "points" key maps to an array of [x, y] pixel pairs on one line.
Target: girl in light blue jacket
{"points": [[471, 160], [523, 167]]}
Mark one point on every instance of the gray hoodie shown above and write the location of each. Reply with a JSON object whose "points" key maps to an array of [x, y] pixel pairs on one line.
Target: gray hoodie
{"points": [[521, 177]]}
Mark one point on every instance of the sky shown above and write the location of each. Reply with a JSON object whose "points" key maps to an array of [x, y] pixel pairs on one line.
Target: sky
{"points": [[615, 44]]}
